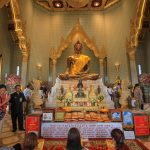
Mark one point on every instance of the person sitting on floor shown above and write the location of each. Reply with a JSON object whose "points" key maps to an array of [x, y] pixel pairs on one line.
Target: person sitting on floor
{"points": [[74, 140], [118, 136], [30, 142]]}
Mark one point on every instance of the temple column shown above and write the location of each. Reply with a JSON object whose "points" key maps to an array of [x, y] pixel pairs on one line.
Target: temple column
{"points": [[133, 68], [24, 70], [101, 69], [54, 70]]}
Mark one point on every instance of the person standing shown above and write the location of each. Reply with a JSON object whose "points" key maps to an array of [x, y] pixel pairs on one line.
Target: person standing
{"points": [[16, 101], [4, 98], [27, 93], [110, 91], [138, 95]]}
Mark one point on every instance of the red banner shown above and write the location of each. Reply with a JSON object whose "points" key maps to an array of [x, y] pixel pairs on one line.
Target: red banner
{"points": [[141, 123], [33, 124]]}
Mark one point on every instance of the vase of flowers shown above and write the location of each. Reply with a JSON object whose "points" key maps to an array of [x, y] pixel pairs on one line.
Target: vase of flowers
{"points": [[68, 101], [100, 98], [144, 79], [93, 101], [11, 81], [60, 99]]}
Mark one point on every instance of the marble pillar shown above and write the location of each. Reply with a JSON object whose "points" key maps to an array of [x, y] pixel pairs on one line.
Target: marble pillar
{"points": [[101, 64], [24, 70], [133, 68], [54, 70]]}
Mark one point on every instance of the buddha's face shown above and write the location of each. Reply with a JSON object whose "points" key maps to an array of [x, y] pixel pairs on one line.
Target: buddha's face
{"points": [[77, 48]]}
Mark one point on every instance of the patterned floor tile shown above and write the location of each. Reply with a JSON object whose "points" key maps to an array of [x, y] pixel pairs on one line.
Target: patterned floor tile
{"points": [[10, 140], [6, 134]]}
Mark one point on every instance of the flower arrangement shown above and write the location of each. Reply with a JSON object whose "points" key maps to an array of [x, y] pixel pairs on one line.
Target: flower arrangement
{"points": [[100, 98], [144, 79], [93, 101], [11, 81], [68, 100], [60, 98]]}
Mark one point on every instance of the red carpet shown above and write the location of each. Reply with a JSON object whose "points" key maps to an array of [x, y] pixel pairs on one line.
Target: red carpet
{"points": [[94, 145]]}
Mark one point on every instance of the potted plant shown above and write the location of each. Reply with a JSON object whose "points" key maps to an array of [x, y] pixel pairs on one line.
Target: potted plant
{"points": [[11, 81], [68, 101], [100, 98], [93, 101], [60, 99]]}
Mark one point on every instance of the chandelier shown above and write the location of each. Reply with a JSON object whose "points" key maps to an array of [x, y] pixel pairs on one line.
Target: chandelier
{"points": [[77, 3]]}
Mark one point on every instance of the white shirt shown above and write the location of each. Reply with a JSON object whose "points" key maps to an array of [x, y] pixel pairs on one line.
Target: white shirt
{"points": [[109, 91], [27, 93]]}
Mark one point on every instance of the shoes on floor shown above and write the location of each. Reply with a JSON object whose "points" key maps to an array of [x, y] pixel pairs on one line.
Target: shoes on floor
{"points": [[22, 129], [14, 130]]}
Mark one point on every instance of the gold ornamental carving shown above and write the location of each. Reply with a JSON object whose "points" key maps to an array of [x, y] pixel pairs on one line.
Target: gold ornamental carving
{"points": [[132, 55], [136, 25], [101, 61], [3, 3], [24, 45], [53, 56], [77, 31], [76, 5]]}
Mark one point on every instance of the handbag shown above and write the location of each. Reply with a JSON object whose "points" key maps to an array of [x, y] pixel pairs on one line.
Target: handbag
{"points": [[2, 112]]}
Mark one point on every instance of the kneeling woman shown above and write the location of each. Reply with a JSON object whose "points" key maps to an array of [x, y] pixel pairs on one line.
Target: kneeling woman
{"points": [[74, 140]]}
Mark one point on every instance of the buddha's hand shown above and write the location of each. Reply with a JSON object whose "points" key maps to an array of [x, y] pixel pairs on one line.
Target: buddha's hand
{"points": [[70, 60]]}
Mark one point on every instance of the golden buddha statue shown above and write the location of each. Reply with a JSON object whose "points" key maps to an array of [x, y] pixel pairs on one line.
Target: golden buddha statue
{"points": [[78, 65]]}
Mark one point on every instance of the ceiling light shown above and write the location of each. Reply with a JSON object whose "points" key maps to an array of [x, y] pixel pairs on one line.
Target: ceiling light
{"points": [[96, 4], [58, 4]]}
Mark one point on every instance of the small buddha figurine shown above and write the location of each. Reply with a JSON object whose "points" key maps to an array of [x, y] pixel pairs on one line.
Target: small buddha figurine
{"points": [[80, 93], [62, 90], [92, 92], [69, 93], [78, 65], [98, 90]]}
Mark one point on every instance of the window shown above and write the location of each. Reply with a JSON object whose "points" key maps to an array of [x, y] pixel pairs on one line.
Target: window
{"points": [[18, 70], [139, 69]]}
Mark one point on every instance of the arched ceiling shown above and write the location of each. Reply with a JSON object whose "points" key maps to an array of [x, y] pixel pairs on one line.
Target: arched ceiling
{"points": [[71, 5]]}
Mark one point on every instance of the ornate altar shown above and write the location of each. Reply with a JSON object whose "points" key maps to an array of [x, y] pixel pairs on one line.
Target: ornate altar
{"points": [[93, 99], [68, 92]]}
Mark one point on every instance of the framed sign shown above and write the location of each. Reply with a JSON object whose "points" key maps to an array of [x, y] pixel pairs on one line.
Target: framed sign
{"points": [[141, 125], [33, 124], [129, 135], [127, 119], [116, 115], [59, 116], [47, 116]]}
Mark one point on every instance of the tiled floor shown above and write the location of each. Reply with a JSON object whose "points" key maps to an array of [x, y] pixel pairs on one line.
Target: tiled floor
{"points": [[7, 137]]}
